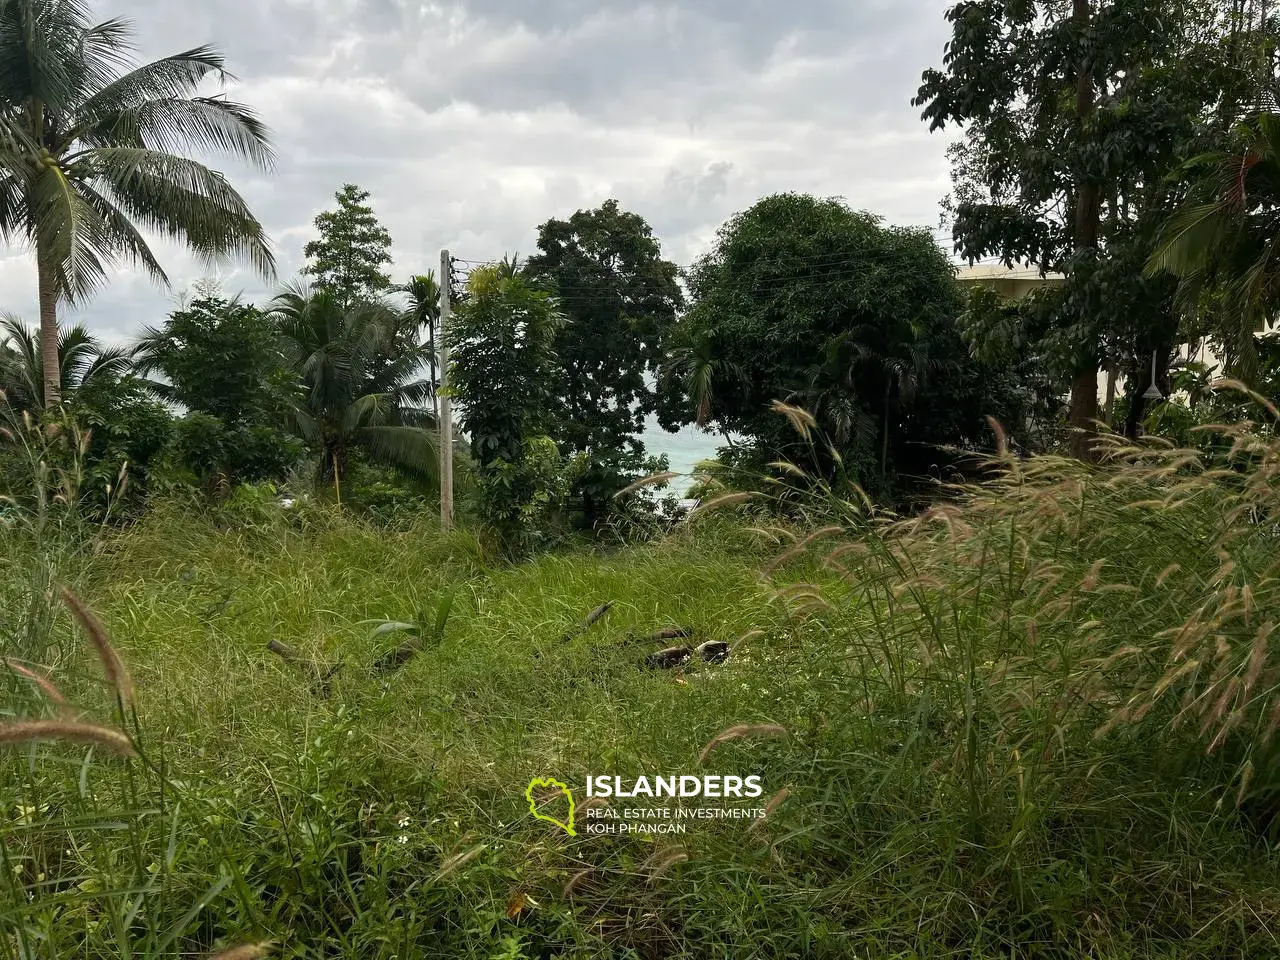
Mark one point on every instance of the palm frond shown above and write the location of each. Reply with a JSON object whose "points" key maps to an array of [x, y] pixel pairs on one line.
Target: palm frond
{"points": [[102, 52], [108, 363], [410, 448], [1189, 239], [367, 411], [124, 240], [39, 43], [174, 124], [82, 359], [68, 231], [183, 199], [179, 75]]}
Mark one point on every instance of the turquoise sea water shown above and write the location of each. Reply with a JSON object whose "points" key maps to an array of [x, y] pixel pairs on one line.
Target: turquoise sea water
{"points": [[683, 449]]}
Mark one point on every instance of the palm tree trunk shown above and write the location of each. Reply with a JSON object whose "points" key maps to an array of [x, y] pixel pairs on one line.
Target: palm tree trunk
{"points": [[435, 383], [48, 292]]}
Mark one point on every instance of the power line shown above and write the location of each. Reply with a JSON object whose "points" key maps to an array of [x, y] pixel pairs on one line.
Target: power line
{"points": [[790, 260], [582, 286]]}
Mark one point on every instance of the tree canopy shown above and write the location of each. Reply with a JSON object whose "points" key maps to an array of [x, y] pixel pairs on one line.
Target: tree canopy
{"points": [[619, 298], [353, 247], [218, 356], [1073, 115], [358, 387], [806, 301]]}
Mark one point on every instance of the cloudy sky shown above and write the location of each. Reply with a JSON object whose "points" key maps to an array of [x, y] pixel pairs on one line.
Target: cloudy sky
{"points": [[471, 121]]}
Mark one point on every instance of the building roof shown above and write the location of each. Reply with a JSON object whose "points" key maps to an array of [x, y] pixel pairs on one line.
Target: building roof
{"points": [[998, 271]]}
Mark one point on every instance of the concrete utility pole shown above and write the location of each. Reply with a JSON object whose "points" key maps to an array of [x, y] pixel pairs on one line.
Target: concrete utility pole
{"points": [[446, 407]]}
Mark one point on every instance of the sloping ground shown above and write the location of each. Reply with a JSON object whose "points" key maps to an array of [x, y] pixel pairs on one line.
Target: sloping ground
{"points": [[977, 733]]}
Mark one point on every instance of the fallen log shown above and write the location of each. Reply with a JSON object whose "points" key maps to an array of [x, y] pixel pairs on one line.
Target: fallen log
{"points": [[394, 659], [668, 659], [319, 680], [322, 686], [593, 617], [667, 634], [713, 651], [286, 653]]}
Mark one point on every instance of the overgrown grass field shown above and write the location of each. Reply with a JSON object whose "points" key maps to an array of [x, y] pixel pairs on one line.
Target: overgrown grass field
{"points": [[1035, 721]]}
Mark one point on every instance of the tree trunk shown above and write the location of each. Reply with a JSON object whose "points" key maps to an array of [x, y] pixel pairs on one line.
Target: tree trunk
{"points": [[1084, 385], [333, 466], [48, 288], [884, 440], [435, 373], [1082, 413]]}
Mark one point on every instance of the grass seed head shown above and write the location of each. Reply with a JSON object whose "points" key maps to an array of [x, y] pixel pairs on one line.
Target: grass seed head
{"points": [[739, 731], [40, 680], [28, 731], [114, 668]]}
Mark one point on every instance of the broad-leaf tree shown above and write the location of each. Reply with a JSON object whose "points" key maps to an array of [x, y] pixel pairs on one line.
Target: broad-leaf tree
{"points": [[92, 153], [503, 368], [353, 247], [1073, 114], [217, 356], [1224, 242], [221, 361], [619, 298], [360, 386], [806, 301]]}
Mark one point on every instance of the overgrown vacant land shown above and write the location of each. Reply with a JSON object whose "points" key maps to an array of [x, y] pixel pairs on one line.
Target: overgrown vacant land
{"points": [[1036, 721]]}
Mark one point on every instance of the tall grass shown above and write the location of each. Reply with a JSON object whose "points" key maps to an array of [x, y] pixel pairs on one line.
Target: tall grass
{"points": [[1036, 720]]}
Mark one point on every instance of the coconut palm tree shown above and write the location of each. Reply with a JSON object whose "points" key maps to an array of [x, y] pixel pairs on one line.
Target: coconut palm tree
{"points": [[424, 314], [695, 369], [1223, 243], [91, 153], [360, 384], [82, 359], [863, 368]]}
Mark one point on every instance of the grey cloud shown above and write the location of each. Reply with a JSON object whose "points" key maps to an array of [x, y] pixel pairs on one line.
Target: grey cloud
{"points": [[624, 58], [472, 122]]}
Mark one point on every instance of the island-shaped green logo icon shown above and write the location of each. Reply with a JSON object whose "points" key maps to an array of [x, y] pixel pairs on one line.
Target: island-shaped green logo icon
{"points": [[545, 784]]}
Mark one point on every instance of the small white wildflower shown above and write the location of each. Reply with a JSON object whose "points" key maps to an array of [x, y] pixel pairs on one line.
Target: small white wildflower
{"points": [[402, 822], [402, 839]]}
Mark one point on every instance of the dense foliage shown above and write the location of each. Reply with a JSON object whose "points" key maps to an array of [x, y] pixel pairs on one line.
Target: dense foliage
{"points": [[1005, 704], [1073, 116], [808, 302], [619, 298], [504, 374], [1036, 722], [358, 382], [1220, 242]]}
